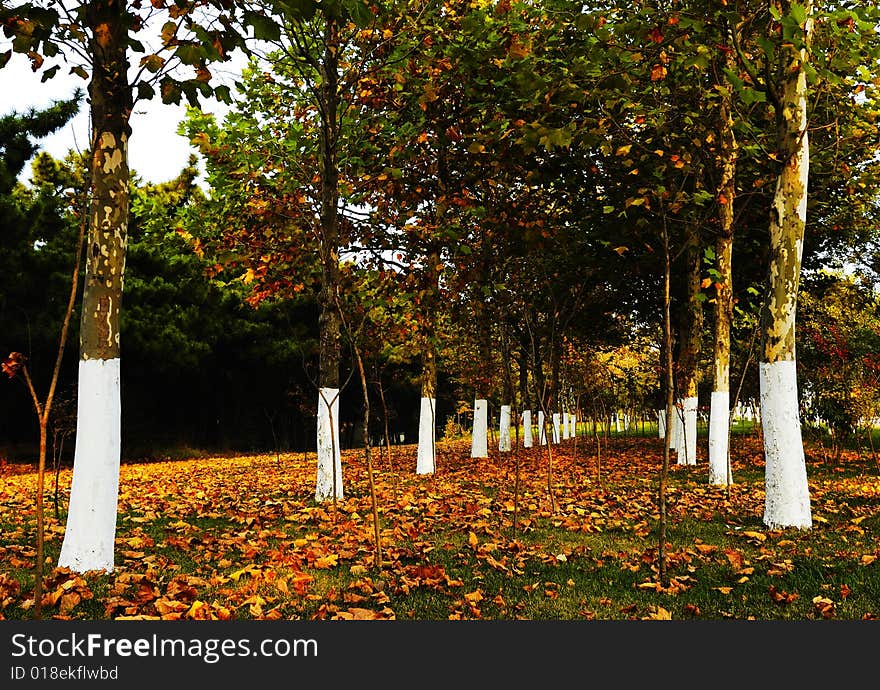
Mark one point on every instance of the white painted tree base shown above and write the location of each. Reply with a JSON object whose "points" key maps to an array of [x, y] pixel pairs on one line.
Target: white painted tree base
{"points": [[557, 421], [426, 456], [480, 433], [328, 446], [787, 493], [94, 491], [528, 442], [504, 429], [676, 439], [566, 434], [687, 454], [661, 423], [719, 437], [542, 430]]}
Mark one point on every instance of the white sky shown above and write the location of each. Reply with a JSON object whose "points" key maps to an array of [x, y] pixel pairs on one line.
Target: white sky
{"points": [[156, 152]]}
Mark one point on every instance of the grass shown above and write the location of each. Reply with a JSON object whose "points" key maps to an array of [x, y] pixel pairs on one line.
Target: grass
{"points": [[242, 537]]}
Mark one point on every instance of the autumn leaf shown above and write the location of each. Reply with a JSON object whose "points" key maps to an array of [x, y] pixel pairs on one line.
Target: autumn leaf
{"points": [[474, 597], [657, 613], [13, 364], [758, 536], [658, 72], [823, 606]]}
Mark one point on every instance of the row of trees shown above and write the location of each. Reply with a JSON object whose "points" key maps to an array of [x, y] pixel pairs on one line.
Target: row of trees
{"points": [[531, 182]]}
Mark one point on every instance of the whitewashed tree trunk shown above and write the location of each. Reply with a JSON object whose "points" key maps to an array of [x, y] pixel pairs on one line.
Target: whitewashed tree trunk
{"points": [[90, 535], [480, 433], [787, 493], [542, 431], [329, 453], [557, 421], [661, 424], [426, 455], [527, 429], [565, 432], [91, 519], [617, 422], [689, 430], [719, 425], [504, 429], [675, 442]]}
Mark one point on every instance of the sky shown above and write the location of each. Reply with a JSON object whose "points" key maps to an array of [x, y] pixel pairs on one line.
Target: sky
{"points": [[156, 152]]}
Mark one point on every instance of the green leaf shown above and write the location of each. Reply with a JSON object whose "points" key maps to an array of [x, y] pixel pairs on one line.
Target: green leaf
{"points": [[49, 73], [298, 9], [265, 29], [222, 94], [190, 53], [607, 209], [145, 91], [750, 95], [798, 13]]}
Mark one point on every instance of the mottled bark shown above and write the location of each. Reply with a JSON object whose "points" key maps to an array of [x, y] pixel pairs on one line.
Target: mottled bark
{"points": [[690, 345], [728, 151], [111, 103], [328, 321], [691, 331]]}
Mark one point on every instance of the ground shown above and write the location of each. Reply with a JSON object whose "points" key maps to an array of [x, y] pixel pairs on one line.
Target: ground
{"points": [[243, 538]]}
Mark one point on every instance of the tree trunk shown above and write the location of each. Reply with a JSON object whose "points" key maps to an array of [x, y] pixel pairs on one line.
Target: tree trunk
{"points": [[329, 481], [426, 458], [787, 502], [670, 394], [91, 520], [427, 449], [719, 413], [480, 430], [691, 340]]}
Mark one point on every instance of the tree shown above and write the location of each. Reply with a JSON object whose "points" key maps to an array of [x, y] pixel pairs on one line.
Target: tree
{"points": [[96, 37]]}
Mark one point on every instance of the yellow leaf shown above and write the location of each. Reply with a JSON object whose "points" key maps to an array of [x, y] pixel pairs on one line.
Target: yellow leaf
{"points": [[867, 559], [755, 535], [325, 562], [357, 570], [474, 597], [472, 539], [659, 614], [724, 590]]}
